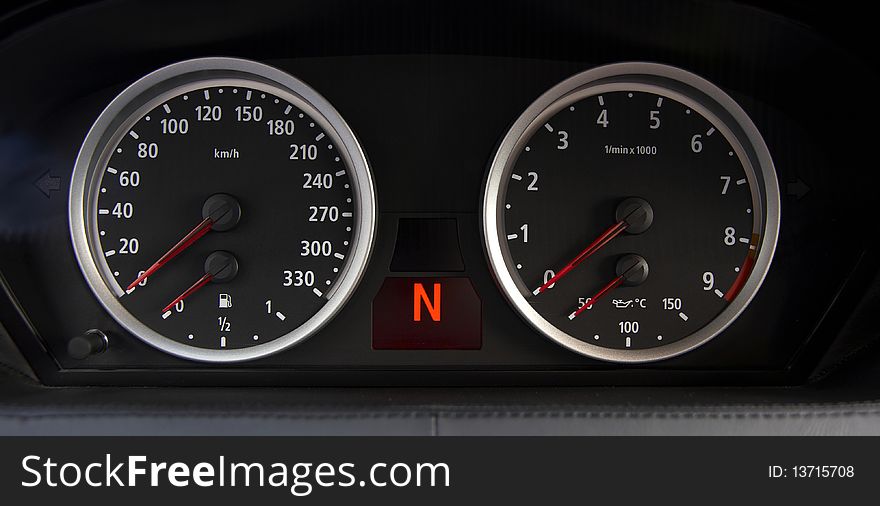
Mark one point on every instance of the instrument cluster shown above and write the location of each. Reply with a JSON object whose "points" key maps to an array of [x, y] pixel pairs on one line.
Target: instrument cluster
{"points": [[304, 206]]}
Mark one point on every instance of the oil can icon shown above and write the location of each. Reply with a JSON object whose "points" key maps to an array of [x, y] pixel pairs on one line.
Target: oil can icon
{"points": [[225, 301]]}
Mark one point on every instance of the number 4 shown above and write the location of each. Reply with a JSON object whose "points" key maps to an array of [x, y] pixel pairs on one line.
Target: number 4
{"points": [[603, 118]]}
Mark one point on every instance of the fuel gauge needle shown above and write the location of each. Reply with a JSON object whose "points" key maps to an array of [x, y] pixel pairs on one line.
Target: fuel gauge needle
{"points": [[204, 280], [221, 266]]}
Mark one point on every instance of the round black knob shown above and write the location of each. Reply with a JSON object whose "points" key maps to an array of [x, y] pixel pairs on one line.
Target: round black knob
{"points": [[90, 343]]}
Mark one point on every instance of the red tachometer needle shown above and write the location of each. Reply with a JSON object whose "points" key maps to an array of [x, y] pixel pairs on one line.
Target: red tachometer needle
{"points": [[603, 239], [188, 240], [204, 280], [601, 293]]}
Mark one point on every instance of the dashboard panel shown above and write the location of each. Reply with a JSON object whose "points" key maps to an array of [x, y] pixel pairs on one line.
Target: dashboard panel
{"points": [[429, 109]]}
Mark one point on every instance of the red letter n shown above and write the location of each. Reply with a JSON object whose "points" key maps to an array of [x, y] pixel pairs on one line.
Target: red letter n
{"points": [[419, 296]]}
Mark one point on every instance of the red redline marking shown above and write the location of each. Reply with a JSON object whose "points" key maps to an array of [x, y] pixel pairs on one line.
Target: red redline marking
{"points": [[603, 239], [744, 271]]}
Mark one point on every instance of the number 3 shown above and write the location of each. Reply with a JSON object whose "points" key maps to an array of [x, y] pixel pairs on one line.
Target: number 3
{"points": [[563, 140]]}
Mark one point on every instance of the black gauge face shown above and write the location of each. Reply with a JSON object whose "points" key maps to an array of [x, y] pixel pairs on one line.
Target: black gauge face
{"points": [[630, 219], [224, 215]]}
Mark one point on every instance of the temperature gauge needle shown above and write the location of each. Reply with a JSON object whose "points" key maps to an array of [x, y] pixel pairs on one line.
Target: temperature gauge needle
{"points": [[631, 269], [601, 293]]}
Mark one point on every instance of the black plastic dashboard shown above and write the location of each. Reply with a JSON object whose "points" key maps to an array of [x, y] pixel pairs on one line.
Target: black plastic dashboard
{"points": [[430, 88]]}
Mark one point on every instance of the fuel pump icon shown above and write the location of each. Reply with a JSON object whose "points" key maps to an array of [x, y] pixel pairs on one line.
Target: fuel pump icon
{"points": [[225, 301]]}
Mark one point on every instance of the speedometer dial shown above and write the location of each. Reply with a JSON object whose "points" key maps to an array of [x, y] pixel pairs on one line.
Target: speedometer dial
{"points": [[221, 210], [631, 212]]}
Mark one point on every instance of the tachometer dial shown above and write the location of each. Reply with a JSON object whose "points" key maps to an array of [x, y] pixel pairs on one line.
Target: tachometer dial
{"points": [[631, 212], [221, 210]]}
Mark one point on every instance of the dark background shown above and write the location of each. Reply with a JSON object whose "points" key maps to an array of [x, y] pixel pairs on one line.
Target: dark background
{"points": [[429, 88]]}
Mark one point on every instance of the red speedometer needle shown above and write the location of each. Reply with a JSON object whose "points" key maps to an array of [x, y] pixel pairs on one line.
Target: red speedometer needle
{"points": [[188, 240], [603, 239]]}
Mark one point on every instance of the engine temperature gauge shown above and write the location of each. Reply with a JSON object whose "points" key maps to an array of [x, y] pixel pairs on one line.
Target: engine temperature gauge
{"points": [[631, 212]]}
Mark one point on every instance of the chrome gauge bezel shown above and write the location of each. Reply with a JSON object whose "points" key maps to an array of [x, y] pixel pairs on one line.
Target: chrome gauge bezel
{"points": [[685, 87], [148, 92]]}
